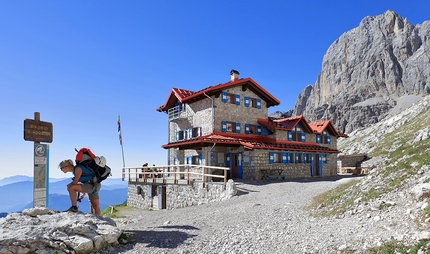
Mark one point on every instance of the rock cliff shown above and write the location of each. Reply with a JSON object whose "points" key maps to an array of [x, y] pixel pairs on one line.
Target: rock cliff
{"points": [[370, 72]]}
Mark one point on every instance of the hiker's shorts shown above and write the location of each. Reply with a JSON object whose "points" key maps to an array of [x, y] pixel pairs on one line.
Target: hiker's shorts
{"points": [[89, 188]]}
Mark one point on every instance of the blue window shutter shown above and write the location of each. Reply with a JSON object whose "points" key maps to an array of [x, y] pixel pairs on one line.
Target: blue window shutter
{"points": [[177, 135], [318, 139], [224, 126], [237, 96], [259, 131], [290, 136], [288, 158], [328, 140], [199, 131], [305, 158], [284, 157], [190, 133], [258, 103], [237, 127], [271, 158], [247, 128], [228, 160], [200, 159], [297, 158], [303, 137], [246, 99], [224, 97]]}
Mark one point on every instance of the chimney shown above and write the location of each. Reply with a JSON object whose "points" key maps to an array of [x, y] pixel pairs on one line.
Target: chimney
{"points": [[234, 75]]}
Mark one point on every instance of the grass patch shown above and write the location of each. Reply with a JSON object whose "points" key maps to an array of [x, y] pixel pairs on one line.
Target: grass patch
{"points": [[427, 209], [334, 201], [113, 211], [373, 193], [393, 247]]}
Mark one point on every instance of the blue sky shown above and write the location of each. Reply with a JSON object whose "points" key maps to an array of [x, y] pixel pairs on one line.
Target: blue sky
{"points": [[82, 63]]}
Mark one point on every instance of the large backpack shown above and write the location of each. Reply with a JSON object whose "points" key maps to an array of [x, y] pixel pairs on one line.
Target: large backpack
{"points": [[95, 164]]}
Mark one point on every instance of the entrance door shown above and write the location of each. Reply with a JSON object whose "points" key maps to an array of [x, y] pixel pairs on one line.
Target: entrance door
{"points": [[317, 165], [234, 165]]}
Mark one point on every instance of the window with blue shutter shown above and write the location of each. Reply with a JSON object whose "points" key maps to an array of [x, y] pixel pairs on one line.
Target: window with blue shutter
{"points": [[305, 158], [224, 97], [237, 127], [199, 131], [177, 136], [284, 157], [224, 126], [303, 137], [290, 136], [328, 140], [246, 100], [237, 99], [228, 160], [258, 103], [297, 158], [264, 131], [288, 158], [318, 139], [271, 157], [190, 133], [247, 128], [259, 131]]}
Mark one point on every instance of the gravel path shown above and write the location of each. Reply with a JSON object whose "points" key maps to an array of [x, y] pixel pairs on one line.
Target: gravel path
{"points": [[262, 218]]}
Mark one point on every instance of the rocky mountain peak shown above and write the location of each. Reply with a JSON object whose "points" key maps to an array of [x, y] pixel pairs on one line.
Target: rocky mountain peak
{"points": [[368, 71]]}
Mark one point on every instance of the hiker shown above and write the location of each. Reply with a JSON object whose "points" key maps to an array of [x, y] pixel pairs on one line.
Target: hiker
{"points": [[144, 169], [80, 184], [154, 169]]}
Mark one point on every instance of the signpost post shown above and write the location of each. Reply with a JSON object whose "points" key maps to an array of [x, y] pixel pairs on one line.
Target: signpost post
{"points": [[38, 131]]}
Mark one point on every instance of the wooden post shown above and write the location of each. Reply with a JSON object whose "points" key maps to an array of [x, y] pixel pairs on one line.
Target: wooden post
{"points": [[188, 173], [204, 176]]}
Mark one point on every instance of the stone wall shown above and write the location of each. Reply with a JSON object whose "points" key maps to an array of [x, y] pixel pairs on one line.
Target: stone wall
{"points": [[238, 113], [353, 160], [259, 159], [178, 196]]}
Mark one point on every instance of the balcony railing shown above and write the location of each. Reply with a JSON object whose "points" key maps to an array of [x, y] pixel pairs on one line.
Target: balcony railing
{"points": [[177, 113], [174, 174]]}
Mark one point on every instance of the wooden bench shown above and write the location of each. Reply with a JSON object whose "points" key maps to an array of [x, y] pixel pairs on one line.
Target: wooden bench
{"points": [[276, 177]]}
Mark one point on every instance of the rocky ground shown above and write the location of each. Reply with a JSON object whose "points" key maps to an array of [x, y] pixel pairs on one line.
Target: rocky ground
{"points": [[267, 218]]}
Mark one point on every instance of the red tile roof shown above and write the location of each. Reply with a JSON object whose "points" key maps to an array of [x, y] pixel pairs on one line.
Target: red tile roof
{"points": [[319, 127], [183, 96], [251, 142], [285, 123]]}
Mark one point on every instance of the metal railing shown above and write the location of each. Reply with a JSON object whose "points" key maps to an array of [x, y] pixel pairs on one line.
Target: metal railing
{"points": [[177, 112], [172, 174]]}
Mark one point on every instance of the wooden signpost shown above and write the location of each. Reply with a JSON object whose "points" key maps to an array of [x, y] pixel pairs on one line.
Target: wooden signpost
{"points": [[38, 131]]}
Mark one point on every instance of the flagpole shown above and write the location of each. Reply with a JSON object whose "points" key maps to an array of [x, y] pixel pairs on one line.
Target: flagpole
{"points": [[120, 140]]}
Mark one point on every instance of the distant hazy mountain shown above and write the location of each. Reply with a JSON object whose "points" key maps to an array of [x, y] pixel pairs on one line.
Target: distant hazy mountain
{"points": [[17, 195], [15, 179]]}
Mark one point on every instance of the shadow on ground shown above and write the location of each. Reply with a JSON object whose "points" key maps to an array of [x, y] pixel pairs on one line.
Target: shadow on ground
{"points": [[164, 239]]}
